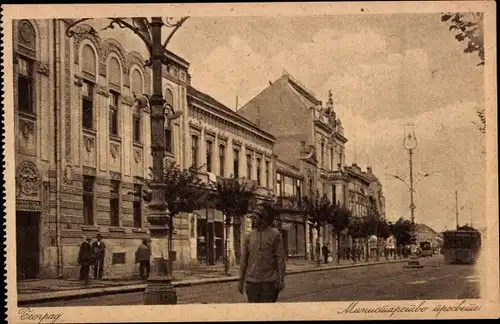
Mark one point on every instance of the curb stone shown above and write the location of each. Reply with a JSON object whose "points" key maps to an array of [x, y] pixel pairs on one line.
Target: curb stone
{"points": [[95, 292]]}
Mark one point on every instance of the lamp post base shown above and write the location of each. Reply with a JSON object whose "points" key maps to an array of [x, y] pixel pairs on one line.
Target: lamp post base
{"points": [[413, 262], [160, 291]]}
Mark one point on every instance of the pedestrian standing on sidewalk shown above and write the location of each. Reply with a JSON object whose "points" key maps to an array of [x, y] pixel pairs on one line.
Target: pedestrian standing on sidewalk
{"points": [[324, 251], [262, 267], [85, 259], [98, 249], [142, 256]]}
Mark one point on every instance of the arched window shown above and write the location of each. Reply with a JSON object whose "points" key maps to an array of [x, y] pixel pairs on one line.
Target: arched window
{"points": [[26, 58], [137, 89], [114, 79], [249, 166], [89, 60]]}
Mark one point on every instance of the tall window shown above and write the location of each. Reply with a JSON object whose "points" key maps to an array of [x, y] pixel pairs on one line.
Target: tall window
{"points": [[168, 139], [311, 189], [209, 156], [136, 120], [25, 85], [258, 171], [88, 200], [87, 105], [222, 159], [334, 195], [278, 185], [332, 165], [137, 206], [113, 113], [322, 154], [267, 174], [298, 191], [114, 203], [249, 166], [236, 164], [194, 150]]}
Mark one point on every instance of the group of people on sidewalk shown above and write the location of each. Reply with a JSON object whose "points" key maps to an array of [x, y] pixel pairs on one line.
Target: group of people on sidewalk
{"points": [[91, 254]]}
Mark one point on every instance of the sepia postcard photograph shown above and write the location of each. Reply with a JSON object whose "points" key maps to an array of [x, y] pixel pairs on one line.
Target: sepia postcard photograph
{"points": [[184, 162]]}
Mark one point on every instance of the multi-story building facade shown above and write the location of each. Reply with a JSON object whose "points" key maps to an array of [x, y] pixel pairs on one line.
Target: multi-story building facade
{"points": [[310, 138], [293, 223], [83, 148]]}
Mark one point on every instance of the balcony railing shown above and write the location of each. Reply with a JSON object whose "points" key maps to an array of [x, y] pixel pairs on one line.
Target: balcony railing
{"points": [[289, 203]]}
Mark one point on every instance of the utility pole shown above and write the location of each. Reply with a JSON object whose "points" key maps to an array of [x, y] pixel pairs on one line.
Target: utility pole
{"points": [[456, 207]]}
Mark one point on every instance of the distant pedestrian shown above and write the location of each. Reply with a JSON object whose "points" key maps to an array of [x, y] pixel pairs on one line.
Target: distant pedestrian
{"points": [[262, 267], [85, 259], [142, 256], [324, 251], [98, 249]]}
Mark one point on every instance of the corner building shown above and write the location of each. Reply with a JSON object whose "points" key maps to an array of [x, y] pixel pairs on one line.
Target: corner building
{"points": [[83, 149]]}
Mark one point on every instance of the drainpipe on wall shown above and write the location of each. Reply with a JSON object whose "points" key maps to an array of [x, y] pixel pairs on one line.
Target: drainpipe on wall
{"points": [[57, 148]]}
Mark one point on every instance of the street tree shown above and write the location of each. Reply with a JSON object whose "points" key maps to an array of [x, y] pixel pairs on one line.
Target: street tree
{"points": [[318, 210], [401, 231], [469, 27], [383, 231], [184, 192], [339, 220], [234, 198], [354, 229]]}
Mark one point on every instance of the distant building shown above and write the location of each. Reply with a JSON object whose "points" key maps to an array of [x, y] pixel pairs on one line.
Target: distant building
{"points": [[426, 233]]}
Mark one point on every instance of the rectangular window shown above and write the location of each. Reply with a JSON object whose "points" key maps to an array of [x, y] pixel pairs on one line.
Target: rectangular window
{"points": [[114, 203], [258, 171], [25, 85], [209, 156], [332, 164], [222, 159], [278, 185], [267, 174], [113, 112], [137, 206], [334, 195], [168, 140], [249, 166], [194, 151], [136, 119], [88, 200], [299, 192], [236, 164], [322, 155], [88, 105]]}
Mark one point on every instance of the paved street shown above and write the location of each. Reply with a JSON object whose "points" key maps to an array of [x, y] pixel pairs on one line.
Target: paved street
{"points": [[378, 282]]}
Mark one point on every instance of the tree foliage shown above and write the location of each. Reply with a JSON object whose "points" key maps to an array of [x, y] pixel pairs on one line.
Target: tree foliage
{"points": [[340, 219], [355, 227], [234, 197], [184, 191], [317, 208], [468, 28], [401, 231]]}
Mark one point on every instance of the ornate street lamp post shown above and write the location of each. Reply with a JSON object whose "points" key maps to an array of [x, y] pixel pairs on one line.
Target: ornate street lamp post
{"points": [[159, 289]]}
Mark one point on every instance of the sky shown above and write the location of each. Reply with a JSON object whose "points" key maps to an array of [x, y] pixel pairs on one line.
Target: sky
{"points": [[384, 71]]}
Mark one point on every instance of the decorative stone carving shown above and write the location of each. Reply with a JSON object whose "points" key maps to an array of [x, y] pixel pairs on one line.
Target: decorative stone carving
{"points": [[89, 171], [78, 80], [110, 45], [83, 32], [89, 143], [115, 175], [137, 156], [68, 174], [114, 148], [27, 128], [102, 90], [28, 205], [128, 100], [28, 179], [67, 99], [42, 68]]}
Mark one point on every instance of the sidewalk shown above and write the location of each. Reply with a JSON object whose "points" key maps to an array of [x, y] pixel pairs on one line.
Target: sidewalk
{"points": [[33, 291]]}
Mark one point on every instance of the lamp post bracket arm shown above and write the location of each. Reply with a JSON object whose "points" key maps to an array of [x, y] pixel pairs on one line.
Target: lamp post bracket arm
{"points": [[175, 27]]}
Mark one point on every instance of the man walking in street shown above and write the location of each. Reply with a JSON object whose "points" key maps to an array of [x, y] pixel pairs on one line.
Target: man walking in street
{"points": [[85, 260], [98, 249], [262, 266], [142, 256]]}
